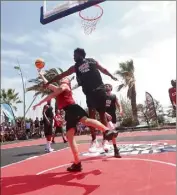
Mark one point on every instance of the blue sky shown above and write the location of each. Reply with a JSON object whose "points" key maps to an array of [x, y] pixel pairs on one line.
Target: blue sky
{"points": [[143, 31]]}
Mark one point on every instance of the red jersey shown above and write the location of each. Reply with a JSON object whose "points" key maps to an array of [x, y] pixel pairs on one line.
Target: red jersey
{"points": [[58, 120], [65, 99], [172, 92]]}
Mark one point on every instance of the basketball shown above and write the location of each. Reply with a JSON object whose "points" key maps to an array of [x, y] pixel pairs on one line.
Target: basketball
{"points": [[39, 63]]}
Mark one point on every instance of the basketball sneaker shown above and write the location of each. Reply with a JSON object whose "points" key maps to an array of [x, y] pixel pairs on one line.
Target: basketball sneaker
{"points": [[106, 146], [109, 134], [75, 167], [94, 146], [117, 153], [49, 149]]}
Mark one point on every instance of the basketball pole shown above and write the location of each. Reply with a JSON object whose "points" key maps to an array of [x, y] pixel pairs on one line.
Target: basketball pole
{"points": [[18, 67], [44, 6]]}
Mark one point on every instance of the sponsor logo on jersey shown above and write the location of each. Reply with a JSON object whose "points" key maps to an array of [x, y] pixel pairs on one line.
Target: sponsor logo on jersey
{"points": [[84, 68]]}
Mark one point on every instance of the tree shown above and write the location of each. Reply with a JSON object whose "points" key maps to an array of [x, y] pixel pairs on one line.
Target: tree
{"points": [[126, 72], [159, 112], [10, 97], [127, 119], [142, 110]]}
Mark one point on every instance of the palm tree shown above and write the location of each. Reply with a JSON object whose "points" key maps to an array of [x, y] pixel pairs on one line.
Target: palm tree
{"points": [[10, 97], [38, 83], [126, 72]]}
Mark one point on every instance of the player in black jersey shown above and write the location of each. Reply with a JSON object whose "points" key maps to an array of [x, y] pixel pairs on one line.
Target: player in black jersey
{"points": [[89, 78], [112, 104]]}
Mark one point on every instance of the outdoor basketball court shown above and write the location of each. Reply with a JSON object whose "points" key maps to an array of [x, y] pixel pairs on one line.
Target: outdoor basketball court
{"points": [[146, 167]]}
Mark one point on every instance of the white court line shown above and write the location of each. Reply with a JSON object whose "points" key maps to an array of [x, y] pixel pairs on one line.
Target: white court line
{"points": [[10, 147], [134, 159], [157, 141]]}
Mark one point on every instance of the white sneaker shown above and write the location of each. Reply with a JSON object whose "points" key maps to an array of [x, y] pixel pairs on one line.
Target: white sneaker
{"points": [[106, 146], [49, 149], [94, 146]]}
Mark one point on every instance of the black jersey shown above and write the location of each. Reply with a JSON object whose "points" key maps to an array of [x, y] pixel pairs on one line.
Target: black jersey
{"points": [[88, 76], [111, 103], [111, 106]]}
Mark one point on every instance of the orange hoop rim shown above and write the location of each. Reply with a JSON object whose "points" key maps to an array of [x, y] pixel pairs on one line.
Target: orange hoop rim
{"points": [[92, 19]]}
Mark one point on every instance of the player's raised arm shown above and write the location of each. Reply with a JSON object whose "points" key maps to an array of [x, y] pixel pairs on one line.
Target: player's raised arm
{"points": [[51, 87], [105, 71], [70, 71], [52, 95], [119, 107]]}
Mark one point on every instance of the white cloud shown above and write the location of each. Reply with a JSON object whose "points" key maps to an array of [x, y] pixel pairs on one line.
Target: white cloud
{"points": [[146, 16], [13, 53], [31, 38]]}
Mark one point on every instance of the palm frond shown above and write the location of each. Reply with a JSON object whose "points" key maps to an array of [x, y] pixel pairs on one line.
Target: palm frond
{"points": [[19, 101], [130, 66], [61, 70], [120, 87]]}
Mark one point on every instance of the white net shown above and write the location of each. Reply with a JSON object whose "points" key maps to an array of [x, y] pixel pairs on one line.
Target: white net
{"points": [[90, 17], [89, 26]]}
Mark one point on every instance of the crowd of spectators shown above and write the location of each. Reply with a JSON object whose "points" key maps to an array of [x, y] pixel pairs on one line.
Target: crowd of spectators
{"points": [[21, 131], [31, 129]]}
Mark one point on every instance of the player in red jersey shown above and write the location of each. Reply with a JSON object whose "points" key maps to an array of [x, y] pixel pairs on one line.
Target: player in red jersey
{"points": [[172, 94], [58, 125], [74, 114]]}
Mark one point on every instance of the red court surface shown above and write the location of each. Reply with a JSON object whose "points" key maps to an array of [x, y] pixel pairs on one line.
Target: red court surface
{"points": [[87, 137], [145, 174]]}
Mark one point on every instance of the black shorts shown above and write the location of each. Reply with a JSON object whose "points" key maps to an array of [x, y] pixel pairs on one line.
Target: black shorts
{"points": [[73, 114], [59, 130], [27, 130], [97, 99], [113, 115], [48, 129]]}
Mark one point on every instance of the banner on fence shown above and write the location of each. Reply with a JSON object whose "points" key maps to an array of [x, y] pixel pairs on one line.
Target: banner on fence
{"points": [[7, 113], [151, 110]]}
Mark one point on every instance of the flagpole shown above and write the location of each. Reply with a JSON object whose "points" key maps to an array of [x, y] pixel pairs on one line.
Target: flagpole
{"points": [[23, 84]]}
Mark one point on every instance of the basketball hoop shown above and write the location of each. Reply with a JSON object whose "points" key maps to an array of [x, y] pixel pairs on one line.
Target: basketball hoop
{"points": [[89, 22]]}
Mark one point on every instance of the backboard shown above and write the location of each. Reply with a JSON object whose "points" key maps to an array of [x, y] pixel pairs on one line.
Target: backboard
{"points": [[60, 9]]}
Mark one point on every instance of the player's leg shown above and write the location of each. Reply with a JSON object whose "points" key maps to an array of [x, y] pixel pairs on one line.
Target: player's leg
{"points": [[75, 114], [63, 134], [54, 135], [76, 166], [92, 114], [100, 105], [100, 101], [71, 118], [116, 149], [82, 117], [48, 135]]}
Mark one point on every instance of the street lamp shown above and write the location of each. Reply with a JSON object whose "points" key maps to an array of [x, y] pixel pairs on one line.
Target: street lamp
{"points": [[21, 74]]}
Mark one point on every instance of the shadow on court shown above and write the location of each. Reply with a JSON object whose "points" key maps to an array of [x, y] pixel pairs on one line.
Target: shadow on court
{"points": [[29, 154], [29, 183]]}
